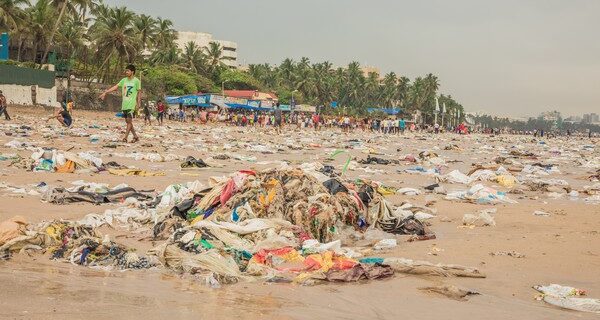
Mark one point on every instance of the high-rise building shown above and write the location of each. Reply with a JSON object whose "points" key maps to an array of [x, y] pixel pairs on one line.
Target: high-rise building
{"points": [[591, 118], [201, 39], [554, 116]]}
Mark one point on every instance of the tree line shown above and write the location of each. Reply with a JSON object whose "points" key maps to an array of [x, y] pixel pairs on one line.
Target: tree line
{"points": [[495, 122], [97, 41]]}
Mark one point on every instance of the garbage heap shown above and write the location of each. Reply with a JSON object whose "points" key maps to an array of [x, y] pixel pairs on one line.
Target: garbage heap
{"points": [[318, 209], [54, 160], [277, 225]]}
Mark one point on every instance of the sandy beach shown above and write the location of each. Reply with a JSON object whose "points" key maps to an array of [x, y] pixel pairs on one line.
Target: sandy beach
{"points": [[560, 247]]}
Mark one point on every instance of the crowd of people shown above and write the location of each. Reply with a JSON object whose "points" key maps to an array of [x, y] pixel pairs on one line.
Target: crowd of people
{"points": [[298, 120], [133, 107]]}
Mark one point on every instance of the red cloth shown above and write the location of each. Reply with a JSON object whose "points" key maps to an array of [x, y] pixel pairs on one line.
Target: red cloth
{"points": [[261, 256]]}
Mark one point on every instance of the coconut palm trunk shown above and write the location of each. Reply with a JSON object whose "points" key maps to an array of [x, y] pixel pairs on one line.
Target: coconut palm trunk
{"points": [[54, 30]]}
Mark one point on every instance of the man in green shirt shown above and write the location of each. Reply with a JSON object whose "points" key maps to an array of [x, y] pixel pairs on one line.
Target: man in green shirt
{"points": [[131, 88]]}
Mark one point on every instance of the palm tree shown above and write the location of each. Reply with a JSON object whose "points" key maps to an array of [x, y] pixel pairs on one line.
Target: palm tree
{"points": [[39, 19], [165, 34], [354, 87], [214, 57], [167, 56], [286, 73], [22, 34], [402, 91], [72, 36], [371, 96], [115, 35], [11, 14], [146, 27], [389, 89], [322, 74], [100, 11], [304, 79], [62, 4], [193, 57], [86, 6], [432, 84]]}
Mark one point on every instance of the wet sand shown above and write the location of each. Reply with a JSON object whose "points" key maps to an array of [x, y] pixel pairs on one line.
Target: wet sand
{"points": [[563, 248]]}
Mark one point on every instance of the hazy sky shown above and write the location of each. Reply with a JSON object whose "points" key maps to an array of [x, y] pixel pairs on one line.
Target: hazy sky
{"points": [[507, 57]]}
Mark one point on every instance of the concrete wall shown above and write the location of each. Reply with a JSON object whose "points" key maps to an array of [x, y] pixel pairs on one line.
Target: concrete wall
{"points": [[23, 95], [28, 86], [85, 95]]}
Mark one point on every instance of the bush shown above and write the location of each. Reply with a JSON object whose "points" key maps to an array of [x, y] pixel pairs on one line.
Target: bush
{"points": [[161, 81], [204, 84], [235, 79]]}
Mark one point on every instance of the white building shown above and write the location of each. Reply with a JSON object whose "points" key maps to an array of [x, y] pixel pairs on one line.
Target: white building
{"points": [[202, 39]]}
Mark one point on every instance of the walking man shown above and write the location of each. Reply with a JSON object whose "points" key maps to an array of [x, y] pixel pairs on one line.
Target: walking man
{"points": [[130, 87], [3, 106], [278, 117]]}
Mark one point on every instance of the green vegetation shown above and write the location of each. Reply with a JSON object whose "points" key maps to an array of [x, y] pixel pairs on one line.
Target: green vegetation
{"points": [[100, 40]]}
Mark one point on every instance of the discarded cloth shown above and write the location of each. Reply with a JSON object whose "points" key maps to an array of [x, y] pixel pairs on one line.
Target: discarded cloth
{"points": [[359, 272], [567, 298], [191, 162]]}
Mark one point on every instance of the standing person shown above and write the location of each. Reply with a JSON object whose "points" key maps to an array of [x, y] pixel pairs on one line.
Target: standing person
{"points": [[130, 87], [347, 123], [3, 106], [147, 115], [316, 121], [204, 116], [181, 113], [436, 128], [402, 125], [160, 108], [277, 117]]}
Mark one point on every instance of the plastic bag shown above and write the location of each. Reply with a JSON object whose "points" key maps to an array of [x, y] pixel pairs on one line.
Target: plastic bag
{"points": [[458, 177], [506, 181], [482, 219], [565, 297], [312, 245], [385, 244]]}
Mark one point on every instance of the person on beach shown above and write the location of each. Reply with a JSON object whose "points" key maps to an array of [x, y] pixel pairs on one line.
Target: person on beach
{"points": [[277, 119], [3, 106], [130, 87], [63, 113], [147, 114], [160, 108]]}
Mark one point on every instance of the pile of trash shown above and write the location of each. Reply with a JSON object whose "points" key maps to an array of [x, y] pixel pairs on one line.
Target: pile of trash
{"points": [[53, 160], [293, 195], [96, 193], [75, 243], [480, 194], [567, 298], [279, 225]]}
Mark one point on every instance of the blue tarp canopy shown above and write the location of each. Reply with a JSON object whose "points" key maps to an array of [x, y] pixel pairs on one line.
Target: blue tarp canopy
{"points": [[390, 111], [190, 100], [245, 107]]}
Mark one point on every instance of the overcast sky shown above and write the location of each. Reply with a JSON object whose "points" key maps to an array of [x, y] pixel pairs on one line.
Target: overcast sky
{"points": [[507, 57]]}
